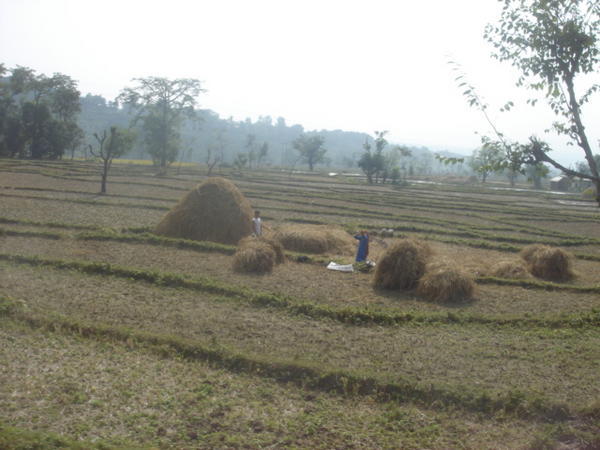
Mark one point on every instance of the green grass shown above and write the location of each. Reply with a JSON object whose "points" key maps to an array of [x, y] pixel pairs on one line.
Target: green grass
{"points": [[348, 315]]}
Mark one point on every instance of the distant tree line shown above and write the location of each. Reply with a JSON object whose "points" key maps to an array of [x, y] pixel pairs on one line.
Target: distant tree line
{"points": [[38, 114]]}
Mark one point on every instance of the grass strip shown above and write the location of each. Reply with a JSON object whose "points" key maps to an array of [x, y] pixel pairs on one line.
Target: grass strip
{"points": [[15, 438], [307, 376], [34, 223], [152, 239], [37, 234], [537, 284], [293, 306], [88, 202]]}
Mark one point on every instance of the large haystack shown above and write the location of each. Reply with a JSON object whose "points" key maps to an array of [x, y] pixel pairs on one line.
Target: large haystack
{"points": [[215, 210], [514, 269], [402, 265], [444, 283], [315, 239], [270, 241], [549, 263], [254, 256]]}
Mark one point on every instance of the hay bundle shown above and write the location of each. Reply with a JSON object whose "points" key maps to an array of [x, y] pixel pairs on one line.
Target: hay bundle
{"points": [[549, 263], [510, 269], [254, 256], [444, 283], [402, 264], [215, 210], [315, 239], [271, 242]]}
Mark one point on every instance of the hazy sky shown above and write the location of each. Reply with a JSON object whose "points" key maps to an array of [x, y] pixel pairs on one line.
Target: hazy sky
{"points": [[327, 64]]}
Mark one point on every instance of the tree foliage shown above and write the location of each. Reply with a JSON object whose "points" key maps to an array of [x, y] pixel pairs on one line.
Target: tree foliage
{"points": [[110, 146], [310, 149], [37, 114], [162, 104], [552, 43]]}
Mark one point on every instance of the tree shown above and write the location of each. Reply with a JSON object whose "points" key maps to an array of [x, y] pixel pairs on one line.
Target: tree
{"points": [[552, 42], [111, 146], [310, 149], [37, 114], [373, 163], [367, 162], [485, 160], [162, 104]]}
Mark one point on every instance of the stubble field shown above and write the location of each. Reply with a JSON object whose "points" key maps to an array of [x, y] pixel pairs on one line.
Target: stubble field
{"points": [[113, 337]]}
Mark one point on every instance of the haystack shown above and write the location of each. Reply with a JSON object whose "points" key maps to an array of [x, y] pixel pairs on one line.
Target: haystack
{"points": [[254, 256], [513, 269], [402, 264], [445, 283], [215, 210], [315, 239], [549, 263], [271, 242]]}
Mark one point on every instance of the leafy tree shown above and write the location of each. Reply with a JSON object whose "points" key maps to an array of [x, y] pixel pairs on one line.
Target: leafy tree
{"points": [[262, 153], [583, 167], [552, 42], [162, 104], [485, 160], [111, 146], [368, 162], [241, 161], [37, 114], [310, 149], [373, 162]]}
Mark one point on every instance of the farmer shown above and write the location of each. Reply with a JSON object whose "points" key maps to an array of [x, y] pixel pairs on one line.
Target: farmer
{"points": [[363, 246], [257, 224]]}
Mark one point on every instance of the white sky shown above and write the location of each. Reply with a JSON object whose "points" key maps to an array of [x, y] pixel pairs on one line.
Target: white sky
{"points": [[327, 64]]}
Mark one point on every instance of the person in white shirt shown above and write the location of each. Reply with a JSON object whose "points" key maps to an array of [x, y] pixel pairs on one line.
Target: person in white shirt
{"points": [[256, 223]]}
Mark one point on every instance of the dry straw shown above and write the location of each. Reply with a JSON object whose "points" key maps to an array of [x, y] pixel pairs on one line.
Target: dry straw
{"points": [[513, 269], [254, 256], [445, 283], [271, 242], [315, 239], [213, 211], [549, 263], [402, 265]]}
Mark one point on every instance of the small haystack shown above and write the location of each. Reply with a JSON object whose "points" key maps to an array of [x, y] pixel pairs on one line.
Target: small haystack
{"points": [[213, 211], [402, 265], [254, 256], [549, 263], [513, 269], [444, 283], [315, 239], [271, 242]]}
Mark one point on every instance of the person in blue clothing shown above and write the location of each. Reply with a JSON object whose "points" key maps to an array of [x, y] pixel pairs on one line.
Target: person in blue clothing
{"points": [[363, 246]]}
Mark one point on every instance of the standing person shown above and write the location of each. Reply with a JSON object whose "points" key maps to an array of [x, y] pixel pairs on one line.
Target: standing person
{"points": [[363, 246], [257, 224]]}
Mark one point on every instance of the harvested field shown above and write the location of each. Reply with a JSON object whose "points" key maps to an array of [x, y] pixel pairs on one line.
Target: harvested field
{"points": [[129, 338]]}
